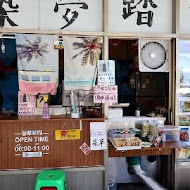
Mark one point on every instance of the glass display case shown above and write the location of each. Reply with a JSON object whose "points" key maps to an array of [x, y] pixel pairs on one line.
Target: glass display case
{"points": [[184, 83]]}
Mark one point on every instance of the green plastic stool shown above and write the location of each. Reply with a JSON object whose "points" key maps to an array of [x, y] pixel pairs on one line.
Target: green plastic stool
{"points": [[51, 178]]}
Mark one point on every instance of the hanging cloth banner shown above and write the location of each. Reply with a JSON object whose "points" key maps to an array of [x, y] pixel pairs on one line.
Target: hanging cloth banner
{"points": [[37, 53], [80, 61], [36, 57], [34, 82]]}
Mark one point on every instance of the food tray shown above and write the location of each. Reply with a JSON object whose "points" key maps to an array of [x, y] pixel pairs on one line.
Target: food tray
{"points": [[123, 148]]}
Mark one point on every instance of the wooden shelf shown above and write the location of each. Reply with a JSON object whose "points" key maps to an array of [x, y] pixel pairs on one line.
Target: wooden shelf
{"points": [[167, 148], [136, 119]]}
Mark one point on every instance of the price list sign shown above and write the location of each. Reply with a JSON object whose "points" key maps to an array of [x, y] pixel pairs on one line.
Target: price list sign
{"points": [[31, 143], [105, 94]]}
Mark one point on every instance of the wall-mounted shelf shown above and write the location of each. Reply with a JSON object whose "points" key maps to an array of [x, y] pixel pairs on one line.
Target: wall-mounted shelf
{"points": [[122, 105], [167, 148], [135, 119]]}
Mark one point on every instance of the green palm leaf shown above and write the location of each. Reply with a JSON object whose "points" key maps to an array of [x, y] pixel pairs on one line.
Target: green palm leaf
{"points": [[80, 53], [85, 58]]}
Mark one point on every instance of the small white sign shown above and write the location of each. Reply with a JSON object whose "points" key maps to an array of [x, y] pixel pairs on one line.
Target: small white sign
{"points": [[98, 136], [106, 72], [31, 154]]}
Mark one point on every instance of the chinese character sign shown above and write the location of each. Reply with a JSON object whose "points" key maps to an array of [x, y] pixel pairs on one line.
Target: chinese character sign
{"points": [[71, 15], [83, 15], [4, 13], [19, 14], [140, 15], [106, 94], [98, 136], [143, 17]]}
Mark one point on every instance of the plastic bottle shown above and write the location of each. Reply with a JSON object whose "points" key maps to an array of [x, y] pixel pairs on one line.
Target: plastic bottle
{"points": [[112, 185], [45, 113], [163, 134], [137, 112]]}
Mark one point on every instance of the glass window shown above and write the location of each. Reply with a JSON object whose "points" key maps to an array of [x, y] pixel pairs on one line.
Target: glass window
{"points": [[35, 78], [184, 83]]}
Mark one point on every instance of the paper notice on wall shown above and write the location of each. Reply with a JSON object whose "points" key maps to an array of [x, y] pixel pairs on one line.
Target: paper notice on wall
{"points": [[105, 94], [98, 136], [106, 72]]}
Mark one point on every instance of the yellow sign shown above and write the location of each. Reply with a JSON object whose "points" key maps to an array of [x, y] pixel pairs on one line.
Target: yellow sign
{"points": [[72, 134]]}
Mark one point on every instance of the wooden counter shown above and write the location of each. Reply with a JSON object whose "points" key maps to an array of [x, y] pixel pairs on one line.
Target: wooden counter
{"points": [[55, 153], [7, 118], [167, 148]]}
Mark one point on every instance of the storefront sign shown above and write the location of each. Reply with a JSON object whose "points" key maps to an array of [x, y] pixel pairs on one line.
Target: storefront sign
{"points": [[52, 15], [153, 16], [21, 14], [98, 136], [31, 143], [104, 94], [72, 134], [71, 15]]}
